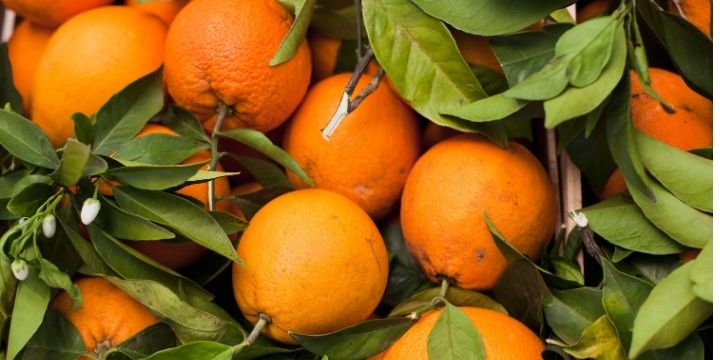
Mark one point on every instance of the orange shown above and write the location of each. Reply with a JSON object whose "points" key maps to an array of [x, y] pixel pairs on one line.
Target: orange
{"points": [[52, 13], [314, 263], [690, 127], [166, 10], [218, 52], [176, 255], [324, 52], [504, 338], [369, 155], [476, 50], [435, 133], [25, 49], [593, 9], [111, 47], [446, 193], [108, 316], [697, 12]]}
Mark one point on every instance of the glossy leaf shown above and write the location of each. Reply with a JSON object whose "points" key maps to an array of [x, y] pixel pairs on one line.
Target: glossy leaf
{"points": [[689, 177], [545, 84], [26, 141], [491, 108], [184, 123], [31, 302], [29, 199], [590, 45], [72, 165], [622, 223], [123, 225], [127, 112], [178, 214], [159, 149], [488, 17], [154, 177], [208, 350], [56, 339], [669, 314], [701, 274], [570, 312], [454, 337], [8, 92], [357, 342], [296, 36], [84, 131], [456, 296], [599, 341]]}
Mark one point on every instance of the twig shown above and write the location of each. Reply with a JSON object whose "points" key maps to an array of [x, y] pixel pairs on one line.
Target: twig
{"points": [[358, 28], [222, 112]]}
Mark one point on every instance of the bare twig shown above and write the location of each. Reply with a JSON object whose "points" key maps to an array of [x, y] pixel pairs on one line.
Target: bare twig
{"points": [[222, 112], [358, 28]]}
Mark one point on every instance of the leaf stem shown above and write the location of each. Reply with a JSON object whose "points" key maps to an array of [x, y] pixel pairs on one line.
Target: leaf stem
{"points": [[222, 112], [444, 286]]}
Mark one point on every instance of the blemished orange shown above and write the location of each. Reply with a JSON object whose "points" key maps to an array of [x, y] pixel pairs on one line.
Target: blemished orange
{"points": [[689, 128], [314, 263], [108, 316], [111, 47], [369, 155], [52, 13], [219, 52], [25, 48], [446, 194], [177, 255], [697, 12], [503, 337], [166, 10]]}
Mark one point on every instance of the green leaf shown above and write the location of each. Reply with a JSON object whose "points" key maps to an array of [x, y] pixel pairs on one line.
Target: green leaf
{"points": [[56, 339], [545, 84], [255, 351], [231, 224], [95, 166], [31, 302], [184, 123], [599, 341], [652, 268], [159, 149], [8, 92], [454, 337], [296, 36], [575, 102], [149, 177], [205, 175], [265, 172], [26, 141], [72, 165], [123, 225], [704, 152], [681, 222], [259, 142], [591, 155], [590, 45], [147, 342], [9, 181], [689, 177], [567, 270], [622, 223], [498, 106], [488, 17], [456, 296], [83, 128], [522, 291], [569, 312], [702, 273], [356, 342], [68, 220], [29, 199], [208, 350], [127, 112], [669, 314], [406, 277], [55, 278], [178, 214]]}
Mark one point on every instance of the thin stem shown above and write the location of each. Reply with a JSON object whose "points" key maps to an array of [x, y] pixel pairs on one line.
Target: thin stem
{"points": [[222, 112], [444, 286], [374, 84], [263, 320], [358, 28]]}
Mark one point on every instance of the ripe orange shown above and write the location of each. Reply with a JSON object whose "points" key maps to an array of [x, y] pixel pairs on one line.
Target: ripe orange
{"points": [[324, 52], [476, 50], [108, 316], [218, 52], [697, 12], [176, 255], [111, 47], [504, 338], [25, 48], [435, 133], [314, 263], [166, 10], [690, 127], [368, 157], [449, 188], [52, 13]]}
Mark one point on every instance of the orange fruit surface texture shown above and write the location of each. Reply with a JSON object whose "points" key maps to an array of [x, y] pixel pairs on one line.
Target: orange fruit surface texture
{"points": [[324, 52], [111, 47], [52, 13], [697, 12], [504, 338], [690, 127], [166, 10], [449, 188], [176, 255], [25, 48], [108, 316], [218, 52], [476, 50], [314, 263], [370, 154]]}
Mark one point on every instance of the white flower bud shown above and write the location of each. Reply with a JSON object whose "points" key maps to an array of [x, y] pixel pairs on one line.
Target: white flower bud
{"points": [[579, 218], [49, 226], [20, 269], [90, 209]]}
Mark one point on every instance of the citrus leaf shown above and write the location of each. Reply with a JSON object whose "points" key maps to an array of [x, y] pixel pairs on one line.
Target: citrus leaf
{"points": [[356, 342], [26, 141], [296, 36], [123, 225], [31, 302], [56, 339], [255, 351], [599, 341], [406, 277], [496, 107], [149, 177], [127, 112], [29, 199], [72, 165], [83, 128], [456, 296], [569, 312], [591, 154], [565, 269], [702, 273], [265, 172], [687, 176], [184, 123], [670, 313], [145, 343], [8, 92], [68, 220], [95, 165], [545, 84], [258, 141], [178, 214], [205, 175], [55, 278], [522, 291], [488, 17], [681, 222], [209, 350], [622, 223], [231, 224], [454, 337], [159, 149], [590, 45]]}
